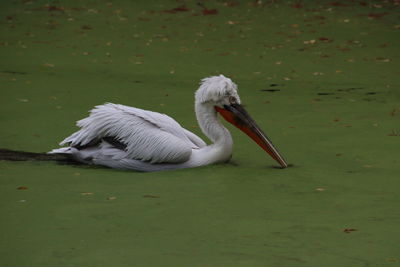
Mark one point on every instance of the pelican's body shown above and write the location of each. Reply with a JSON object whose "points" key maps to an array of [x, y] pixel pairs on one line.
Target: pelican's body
{"points": [[123, 137]]}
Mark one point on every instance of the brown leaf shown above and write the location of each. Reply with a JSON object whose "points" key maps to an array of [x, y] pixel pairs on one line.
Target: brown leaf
{"points": [[377, 15], [22, 188], [325, 39], [207, 11], [182, 8], [349, 230], [86, 27], [297, 5]]}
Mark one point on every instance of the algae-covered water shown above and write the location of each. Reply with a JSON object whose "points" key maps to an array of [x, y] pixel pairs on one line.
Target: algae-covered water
{"points": [[321, 78]]}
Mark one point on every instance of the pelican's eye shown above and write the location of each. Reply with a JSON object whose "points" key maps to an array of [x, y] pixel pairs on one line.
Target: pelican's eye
{"points": [[232, 100]]}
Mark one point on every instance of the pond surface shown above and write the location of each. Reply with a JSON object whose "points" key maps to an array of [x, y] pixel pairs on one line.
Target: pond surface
{"points": [[322, 81]]}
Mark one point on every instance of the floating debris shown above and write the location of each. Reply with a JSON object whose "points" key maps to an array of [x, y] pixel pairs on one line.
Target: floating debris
{"points": [[325, 93], [270, 90], [22, 188]]}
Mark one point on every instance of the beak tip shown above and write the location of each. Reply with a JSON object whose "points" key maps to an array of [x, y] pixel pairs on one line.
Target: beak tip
{"points": [[284, 165]]}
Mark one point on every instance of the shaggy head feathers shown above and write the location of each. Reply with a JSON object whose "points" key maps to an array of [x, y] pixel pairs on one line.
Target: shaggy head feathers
{"points": [[219, 90]]}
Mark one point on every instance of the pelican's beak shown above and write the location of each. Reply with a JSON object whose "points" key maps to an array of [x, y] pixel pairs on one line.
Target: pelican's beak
{"points": [[238, 116]]}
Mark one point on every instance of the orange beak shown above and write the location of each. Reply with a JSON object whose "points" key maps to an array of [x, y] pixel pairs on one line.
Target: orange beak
{"points": [[238, 116]]}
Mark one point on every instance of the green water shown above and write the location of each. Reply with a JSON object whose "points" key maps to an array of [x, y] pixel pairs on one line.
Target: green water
{"points": [[335, 117]]}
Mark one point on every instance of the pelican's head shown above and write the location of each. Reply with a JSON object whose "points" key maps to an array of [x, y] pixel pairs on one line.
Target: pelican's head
{"points": [[217, 90], [221, 92]]}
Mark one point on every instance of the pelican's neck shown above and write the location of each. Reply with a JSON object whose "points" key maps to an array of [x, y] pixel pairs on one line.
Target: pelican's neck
{"points": [[212, 127]]}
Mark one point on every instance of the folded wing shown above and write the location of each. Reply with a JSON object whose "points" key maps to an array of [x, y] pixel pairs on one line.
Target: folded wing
{"points": [[144, 135]]}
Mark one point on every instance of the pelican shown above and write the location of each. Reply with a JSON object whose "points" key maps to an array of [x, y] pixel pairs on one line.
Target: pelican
{"points": [[123, 137]]}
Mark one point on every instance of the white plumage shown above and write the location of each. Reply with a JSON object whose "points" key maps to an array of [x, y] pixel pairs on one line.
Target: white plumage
{"points": [[124, 137], [148, 135]]}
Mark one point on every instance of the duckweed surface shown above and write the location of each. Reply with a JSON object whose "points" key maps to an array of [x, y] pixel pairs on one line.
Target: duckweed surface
{"points": [[321, 78]]}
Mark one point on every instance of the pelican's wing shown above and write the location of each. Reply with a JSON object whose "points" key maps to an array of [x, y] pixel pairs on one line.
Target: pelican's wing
{"points": [[145, 135], [194, 139]]}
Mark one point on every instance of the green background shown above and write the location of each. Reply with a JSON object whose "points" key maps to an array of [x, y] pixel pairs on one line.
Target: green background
{"points": [[320, 77]]}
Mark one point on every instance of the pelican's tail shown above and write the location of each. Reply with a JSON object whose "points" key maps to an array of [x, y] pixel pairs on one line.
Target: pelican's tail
{"points": [[62, 150]]}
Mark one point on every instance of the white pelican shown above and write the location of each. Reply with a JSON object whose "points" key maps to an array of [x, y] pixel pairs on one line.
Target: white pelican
{"points": [[123, 137]]}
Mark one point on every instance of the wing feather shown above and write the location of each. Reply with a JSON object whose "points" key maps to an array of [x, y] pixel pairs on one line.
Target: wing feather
{"points": [[195, 139], [148, 136]]}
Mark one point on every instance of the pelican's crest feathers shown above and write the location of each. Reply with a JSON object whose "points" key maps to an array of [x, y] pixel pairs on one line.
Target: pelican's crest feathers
{"points": [[216, 88]]}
